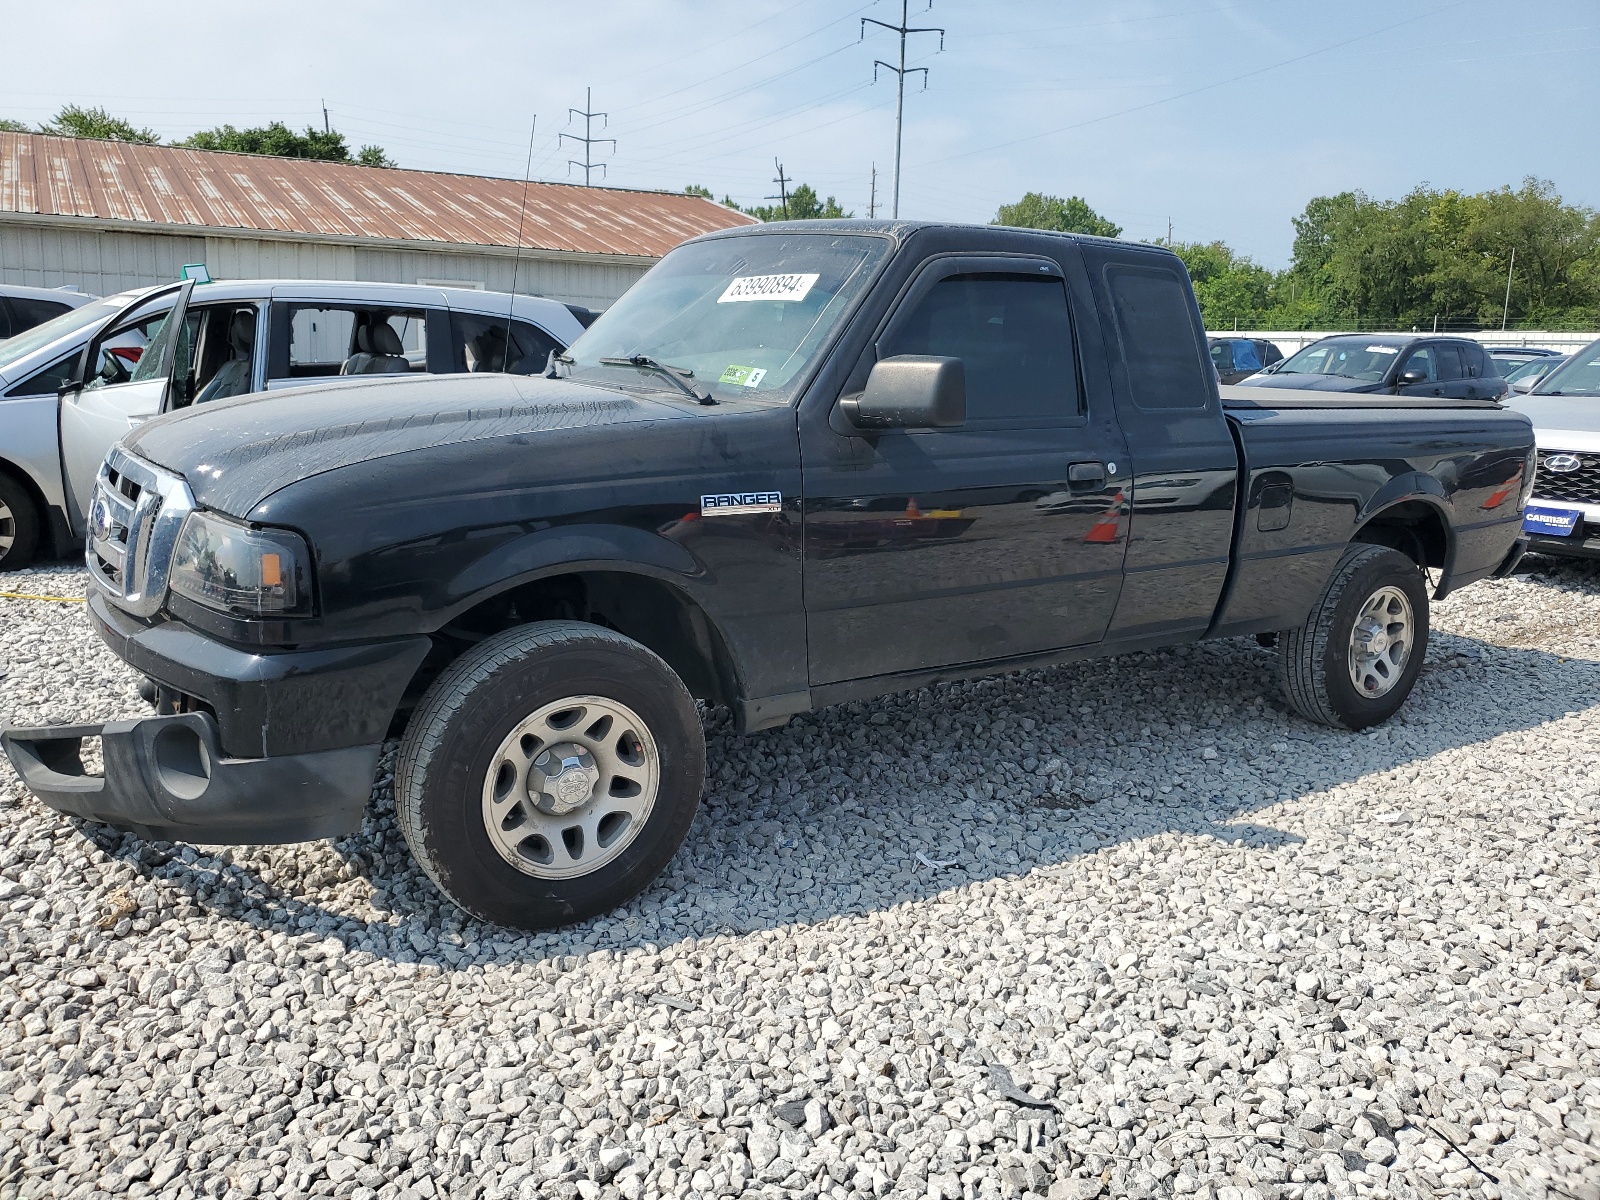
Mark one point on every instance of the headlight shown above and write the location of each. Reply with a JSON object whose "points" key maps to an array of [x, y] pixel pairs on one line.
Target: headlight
{"points": [[243, 571]]}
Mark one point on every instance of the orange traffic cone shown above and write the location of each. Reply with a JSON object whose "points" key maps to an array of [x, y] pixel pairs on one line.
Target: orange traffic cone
{"points": [[1106, 529]]}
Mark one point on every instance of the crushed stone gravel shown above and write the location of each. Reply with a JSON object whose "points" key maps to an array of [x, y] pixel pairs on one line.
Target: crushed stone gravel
{"points": [[1121, 928]]}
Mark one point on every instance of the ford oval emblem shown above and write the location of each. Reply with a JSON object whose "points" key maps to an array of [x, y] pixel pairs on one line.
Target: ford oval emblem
{"points": [[1563, 464]]}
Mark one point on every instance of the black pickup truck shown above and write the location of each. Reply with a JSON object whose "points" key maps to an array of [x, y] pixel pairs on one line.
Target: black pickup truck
{"points": [[794, 465]]}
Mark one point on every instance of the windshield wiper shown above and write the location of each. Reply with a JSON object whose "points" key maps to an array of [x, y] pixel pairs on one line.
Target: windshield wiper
{"points": [[678, 375]]}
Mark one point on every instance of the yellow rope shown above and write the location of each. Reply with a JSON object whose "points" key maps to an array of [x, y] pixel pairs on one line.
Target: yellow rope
{"points": [[30, 596]]}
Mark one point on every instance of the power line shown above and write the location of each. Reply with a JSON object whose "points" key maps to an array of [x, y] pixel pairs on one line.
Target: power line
{"points": [[900, 73], [588, 164]]}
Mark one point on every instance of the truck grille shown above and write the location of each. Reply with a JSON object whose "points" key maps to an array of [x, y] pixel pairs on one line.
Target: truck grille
{"points": [[133, 526], [1580, 487]]}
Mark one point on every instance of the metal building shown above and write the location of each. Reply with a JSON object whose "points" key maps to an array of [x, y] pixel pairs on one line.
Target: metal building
{"points": [[108, 215]]}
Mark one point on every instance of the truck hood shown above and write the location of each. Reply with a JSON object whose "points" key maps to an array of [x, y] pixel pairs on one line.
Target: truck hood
{"points": [[236, 453], [1580, 413], [1310, 383]]}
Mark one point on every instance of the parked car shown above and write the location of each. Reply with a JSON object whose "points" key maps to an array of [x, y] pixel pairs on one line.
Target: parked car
{"points": [[1507, 359], [794, 465], [1563, 515], [1525, 377], [1239, 358], [237, 337], [21, 308], [1399, 364]]}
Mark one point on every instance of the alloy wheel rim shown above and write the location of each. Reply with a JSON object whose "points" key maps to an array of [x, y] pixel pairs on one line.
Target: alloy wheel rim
{"points": [[571, 787], [1381, 641], [8, 528]]}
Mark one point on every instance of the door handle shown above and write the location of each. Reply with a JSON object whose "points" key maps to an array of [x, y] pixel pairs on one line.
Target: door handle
{"points": [[1086, 474]]}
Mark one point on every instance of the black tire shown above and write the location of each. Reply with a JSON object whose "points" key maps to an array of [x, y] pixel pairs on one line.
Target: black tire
{"points": [[1313, 660], [19, 525], [457, 734]]}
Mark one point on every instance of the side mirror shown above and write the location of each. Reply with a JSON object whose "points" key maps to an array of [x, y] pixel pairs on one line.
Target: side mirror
{"points": [[911, 391], [1412, 377], [1523, 385]]}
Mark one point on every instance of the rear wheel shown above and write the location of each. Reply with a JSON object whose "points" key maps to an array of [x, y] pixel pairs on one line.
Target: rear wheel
{"points": [[19, 525], [550, 774], [1357, 656]]}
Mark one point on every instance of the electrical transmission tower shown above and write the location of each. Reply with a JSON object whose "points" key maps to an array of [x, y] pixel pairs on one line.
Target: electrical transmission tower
{"points": [[782, 181], [589, 143], [903, 29]]}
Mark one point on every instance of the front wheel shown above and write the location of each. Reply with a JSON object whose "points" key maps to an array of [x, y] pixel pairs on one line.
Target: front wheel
{"points": [[19, 524], [550, 774], [1358, 654]]}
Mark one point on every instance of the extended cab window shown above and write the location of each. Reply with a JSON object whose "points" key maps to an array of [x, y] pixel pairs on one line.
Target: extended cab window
{"points": [[1012, 332], [1160, 344]]}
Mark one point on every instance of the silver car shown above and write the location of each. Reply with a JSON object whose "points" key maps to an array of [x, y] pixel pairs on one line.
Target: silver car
{"points": [[72, 387], [1563, 515]]}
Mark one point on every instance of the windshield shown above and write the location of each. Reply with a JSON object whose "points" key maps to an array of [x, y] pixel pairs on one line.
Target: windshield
{"points": [[742, 317], [14, 349], [1353, 358], [1535, 368], [1578, 376]]}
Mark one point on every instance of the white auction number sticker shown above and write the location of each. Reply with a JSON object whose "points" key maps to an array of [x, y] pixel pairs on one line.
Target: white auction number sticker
{"points": [[767, 287]]}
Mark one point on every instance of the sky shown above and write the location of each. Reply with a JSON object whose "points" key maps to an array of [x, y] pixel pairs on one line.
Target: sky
{"points": [[1222, 117]]}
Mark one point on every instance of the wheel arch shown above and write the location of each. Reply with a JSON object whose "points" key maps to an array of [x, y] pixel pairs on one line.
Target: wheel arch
{"points": [[641, 600], [1416, 524]]}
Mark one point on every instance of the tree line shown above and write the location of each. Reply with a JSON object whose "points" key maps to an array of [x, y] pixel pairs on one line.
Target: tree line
{"points": [[276, 139], [1436, 258]]}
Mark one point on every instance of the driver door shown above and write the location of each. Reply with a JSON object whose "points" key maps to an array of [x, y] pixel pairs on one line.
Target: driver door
{"points": [[96, 413]]}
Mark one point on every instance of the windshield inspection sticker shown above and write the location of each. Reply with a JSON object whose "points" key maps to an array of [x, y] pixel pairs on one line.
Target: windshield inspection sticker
{"points": [[743, 376], [767, 287], [739, 504]]}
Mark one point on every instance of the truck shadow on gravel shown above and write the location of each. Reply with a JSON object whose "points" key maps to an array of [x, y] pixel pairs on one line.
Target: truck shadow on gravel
{"points": [[867, 806]]}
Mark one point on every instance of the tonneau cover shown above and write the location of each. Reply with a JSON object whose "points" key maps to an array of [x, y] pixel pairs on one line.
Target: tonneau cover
{"points": [[1234, 396]]}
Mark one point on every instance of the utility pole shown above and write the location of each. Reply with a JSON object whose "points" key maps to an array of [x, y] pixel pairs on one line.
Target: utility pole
{"points": [[1169, 233], [900, 73], [588, 164], [872, 203], [1505, 313], [326, 127], [782, 181]]}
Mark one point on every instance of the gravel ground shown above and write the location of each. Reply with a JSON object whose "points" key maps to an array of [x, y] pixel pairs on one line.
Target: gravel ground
{"points": [[1121, 928]]}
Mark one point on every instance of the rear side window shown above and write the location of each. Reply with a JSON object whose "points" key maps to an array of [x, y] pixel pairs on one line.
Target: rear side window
{"points": [[1013, 334], [481, 344], [27, 312], [1159, 340], [1245, 357], [1450, 364]]}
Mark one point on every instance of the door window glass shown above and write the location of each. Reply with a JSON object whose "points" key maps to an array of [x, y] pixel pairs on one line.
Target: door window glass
{"points": [[1450, 366], [1245, 357], [1422, 359], [1159, 342], [1013, 334], [1221, 356], [480, 345], [351, 340]]}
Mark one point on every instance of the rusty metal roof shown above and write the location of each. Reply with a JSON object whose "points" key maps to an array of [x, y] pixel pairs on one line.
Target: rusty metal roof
{"points": [[205, 189]]}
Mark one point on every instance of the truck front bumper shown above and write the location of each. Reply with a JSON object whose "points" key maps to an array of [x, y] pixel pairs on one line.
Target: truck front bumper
{"points": [[166, 778]]}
